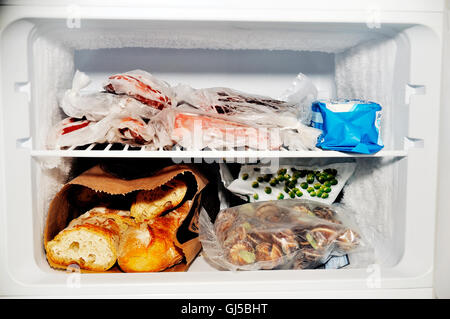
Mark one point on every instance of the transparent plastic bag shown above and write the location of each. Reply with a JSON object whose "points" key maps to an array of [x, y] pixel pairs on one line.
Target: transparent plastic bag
{"points": [[142, 86], [98, 105], [254, 109], [196, 130], [288, 234], [115, 128]]}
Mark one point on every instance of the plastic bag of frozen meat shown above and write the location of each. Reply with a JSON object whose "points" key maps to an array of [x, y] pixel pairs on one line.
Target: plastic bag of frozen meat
{"points": [[254, 109], [288, 234], [114, 128], [95, 106], [277, 121], [196, 130]]}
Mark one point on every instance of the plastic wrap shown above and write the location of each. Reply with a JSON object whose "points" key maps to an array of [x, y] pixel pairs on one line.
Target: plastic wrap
{"points": [[254, 109], [138, 109], [142, 86], [98, 105], [115, 128], [198, 130], [289, 234]]}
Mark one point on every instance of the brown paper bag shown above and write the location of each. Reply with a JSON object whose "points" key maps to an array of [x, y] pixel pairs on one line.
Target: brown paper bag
{"points": [[61, 211]]}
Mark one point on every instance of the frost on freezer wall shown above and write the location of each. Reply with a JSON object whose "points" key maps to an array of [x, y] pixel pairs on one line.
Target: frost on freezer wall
{"points": [[52, 71], [367, 72], [198, 36]]}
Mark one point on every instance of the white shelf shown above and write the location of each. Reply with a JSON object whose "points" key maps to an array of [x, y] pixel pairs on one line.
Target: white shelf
{"points": [[127, 152]]}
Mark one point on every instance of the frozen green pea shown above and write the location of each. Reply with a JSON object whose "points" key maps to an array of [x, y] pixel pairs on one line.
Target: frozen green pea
{"points": [[286, 189], [268, 190], [260, 179], [321, 179], [255, 196], [327, 183], [310, 189], [280, 196], [273, 182], [334, 182], [255, 184], [295, 189], [267, 177], [282, 171], [330, 177], [317, 186], [304, 185], [324, 195], [299, 193], [312, 194], [302, 173], [327, 189], [310, 179], [245, 176], [292, 194], [319, 194]]}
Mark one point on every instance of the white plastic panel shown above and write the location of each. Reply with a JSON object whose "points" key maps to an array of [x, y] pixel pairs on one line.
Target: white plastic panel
{"points": [[442, 260]]}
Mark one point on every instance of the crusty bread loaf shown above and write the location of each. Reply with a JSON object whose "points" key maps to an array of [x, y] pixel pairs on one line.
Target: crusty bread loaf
{"points": [[151, 204], [91, 240], [150, 246]]}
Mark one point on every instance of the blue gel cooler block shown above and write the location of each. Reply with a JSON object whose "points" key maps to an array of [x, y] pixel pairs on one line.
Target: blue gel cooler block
{"points": [[348, 125]]}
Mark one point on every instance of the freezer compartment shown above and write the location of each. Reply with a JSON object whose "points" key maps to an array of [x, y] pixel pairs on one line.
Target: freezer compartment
{"points": [[370, 196], [375, 193], [396, 65], [342, 60]]}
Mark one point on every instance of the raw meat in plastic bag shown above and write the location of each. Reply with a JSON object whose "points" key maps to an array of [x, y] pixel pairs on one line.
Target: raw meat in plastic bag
{"points": [[130, 130], [72, 131], [142, 86], [251, 108], [96, 106], [197, 131], [287, 234], [115, 128]]}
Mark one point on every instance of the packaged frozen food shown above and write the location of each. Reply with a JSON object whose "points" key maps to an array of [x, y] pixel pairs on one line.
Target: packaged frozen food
{"points": [[102, 234], [288, 116], [251, 108], [142, 86], [196, 131], [321, 183], [348, 125], [114, 128], [94, 106], [290, 234], [139, 109]]}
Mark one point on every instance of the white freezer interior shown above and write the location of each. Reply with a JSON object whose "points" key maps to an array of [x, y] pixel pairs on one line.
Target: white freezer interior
{"points": [[389, 194]]}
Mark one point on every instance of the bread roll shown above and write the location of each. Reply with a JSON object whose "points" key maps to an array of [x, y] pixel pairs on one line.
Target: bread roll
{"points": [[91, 240], [151, 204], [150, 246]]}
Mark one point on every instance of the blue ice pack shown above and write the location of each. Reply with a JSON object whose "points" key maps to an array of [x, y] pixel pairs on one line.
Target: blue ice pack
{"points": [[348, 125]]}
